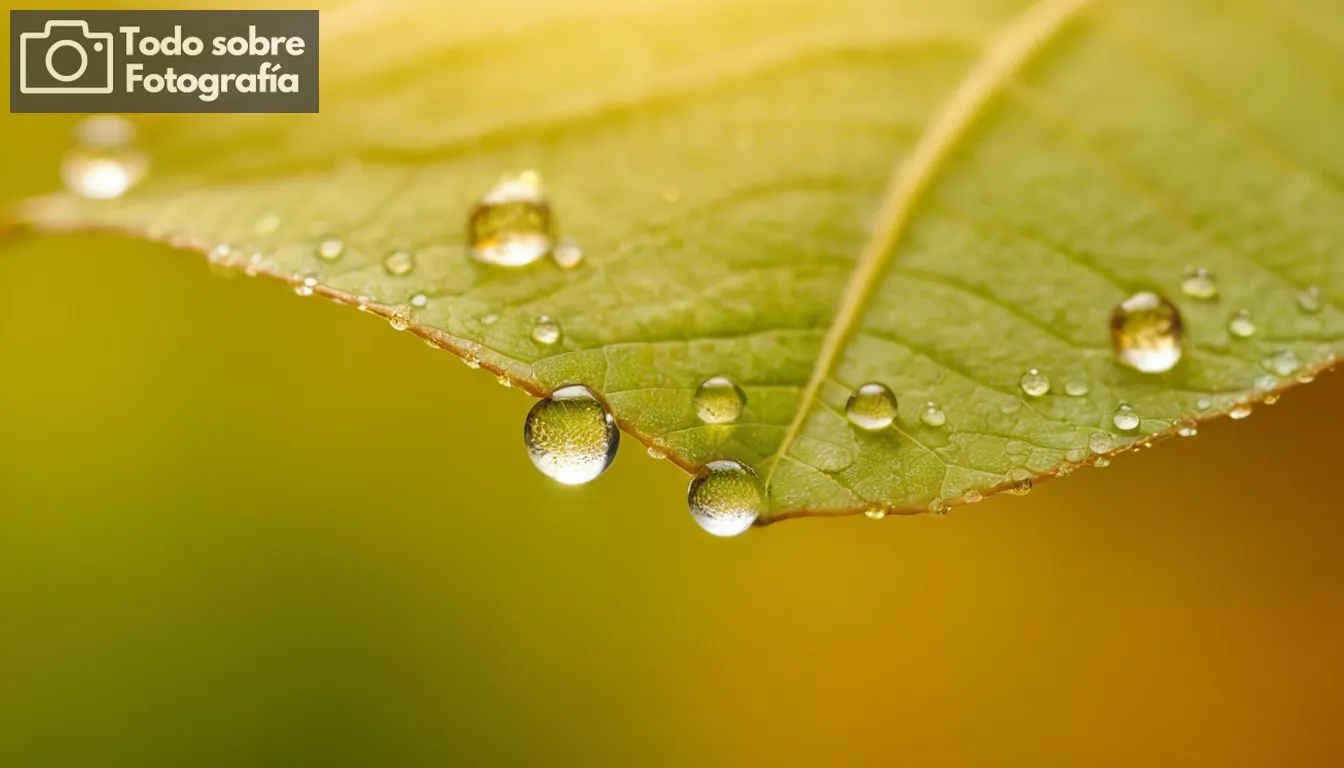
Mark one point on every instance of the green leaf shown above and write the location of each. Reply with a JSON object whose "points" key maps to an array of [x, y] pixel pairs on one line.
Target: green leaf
{"points": [[805, 196]]}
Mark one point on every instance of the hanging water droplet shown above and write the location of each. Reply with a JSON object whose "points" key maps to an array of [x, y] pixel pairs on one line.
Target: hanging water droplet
{"points": [[1241, 325], [1240, 411], [1035, 383], [875, 513], [545, 331], [1077, 385], [571, 436], [511, 225], [1199, 284], [103, 164], [973, 497], [1305, 378], [932, 415], [1146, 333], [305, 286], [1125, 418], [1100, 442], [1187, 427], [1284, 362], [567, 254], [470, 361], [223, 260], [1309, 300], [1271, 398], [725, 497], [330, 247], [504, 381], [1021, 481], [718, 400], [1102, 463], [399, 318], [657, 451], [399, 263], [871, 407], [267, 224], [419, 301], [939, 507]]}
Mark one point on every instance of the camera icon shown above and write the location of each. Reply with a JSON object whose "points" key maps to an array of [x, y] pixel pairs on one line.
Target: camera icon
{"points": [[90, 70]]}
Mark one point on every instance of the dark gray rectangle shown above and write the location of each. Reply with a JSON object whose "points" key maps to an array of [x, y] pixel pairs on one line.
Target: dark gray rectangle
{"points": [[163, 61]]}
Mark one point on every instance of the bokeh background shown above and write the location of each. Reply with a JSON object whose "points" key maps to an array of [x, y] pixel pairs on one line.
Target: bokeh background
{"points": [[242, 528]]}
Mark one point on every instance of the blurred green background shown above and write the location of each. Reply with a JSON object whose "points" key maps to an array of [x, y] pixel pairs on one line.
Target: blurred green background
{"points": [[242, 528]]}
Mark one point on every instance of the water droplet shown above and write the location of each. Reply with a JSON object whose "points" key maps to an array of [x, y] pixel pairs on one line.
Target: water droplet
{"points": [[571, 436], [330, 248], [1146, 333], [875, 513], [267, 224], [718, 400], [657, 451], [419, 301], [1100, 442], [104, 164], [504, 381], [1102, 463], [725, 497], [932, 415], [871, 407], [1187, 427], [1309, 300], [303, 290], [1240, 411], [223, 260], [1204, 403], [1075, 454], [511, 225], [1199, 284], [399, 318], [470, 361], [1077, 386], [399, 263], [1271, 398], [1241, 325], [1035, 383], [568, 254], [1284, 362], [973, 497], [1008, 407], [545, 331], [1305, 378], [490, 319], [939, 507], [1021, 481], [1125, 418], [1266, 382]]}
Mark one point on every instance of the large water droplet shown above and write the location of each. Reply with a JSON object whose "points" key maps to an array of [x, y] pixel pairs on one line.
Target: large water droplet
{"points": [[932, 415], [1035, 383], [871, 407], [104, 164], [1146, 333], [511, 225], [1199, 284], [718, 400], [571, 436], [545, 331], [399, 263], [1125, 418], [330, 247], [1241, 325], [568, 254], [725, 497]]}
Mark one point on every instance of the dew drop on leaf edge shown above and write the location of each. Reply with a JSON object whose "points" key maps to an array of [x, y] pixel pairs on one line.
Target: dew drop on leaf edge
{"points": [[725, 497], [571, 435], [718, 400], [1147, 333], [871, 407]]}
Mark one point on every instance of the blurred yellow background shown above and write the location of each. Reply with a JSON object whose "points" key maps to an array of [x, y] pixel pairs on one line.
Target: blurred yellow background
{"points": [[242, 528]]}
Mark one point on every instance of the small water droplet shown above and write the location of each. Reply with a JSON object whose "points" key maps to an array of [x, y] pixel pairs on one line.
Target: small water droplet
{"points": [[571, 436], [267, 224], [1077, 386], [303, 290], [1309, 300], [1102, 463], [657, 451], [1187, 427], [1240, 411], [1305, 378], [399, 318], [718, 400], [471, 362], [511, 225], [973, 497], [939, 507], [1284, 362], [419, 301], [1035, 383], [1021, 481], [1199, 284], [490, 319], [1075, 454], [932, 415], [1241, 325], [1204, 403], [1100, 442], [330, 248], [504, 381], [875, 513], [399, 263], [871, 407], [1125, 418], [1146, 333], [1271, 398], [1009, 407], [567, 254], [725, 497], [1266, 382], [545, 331]]}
